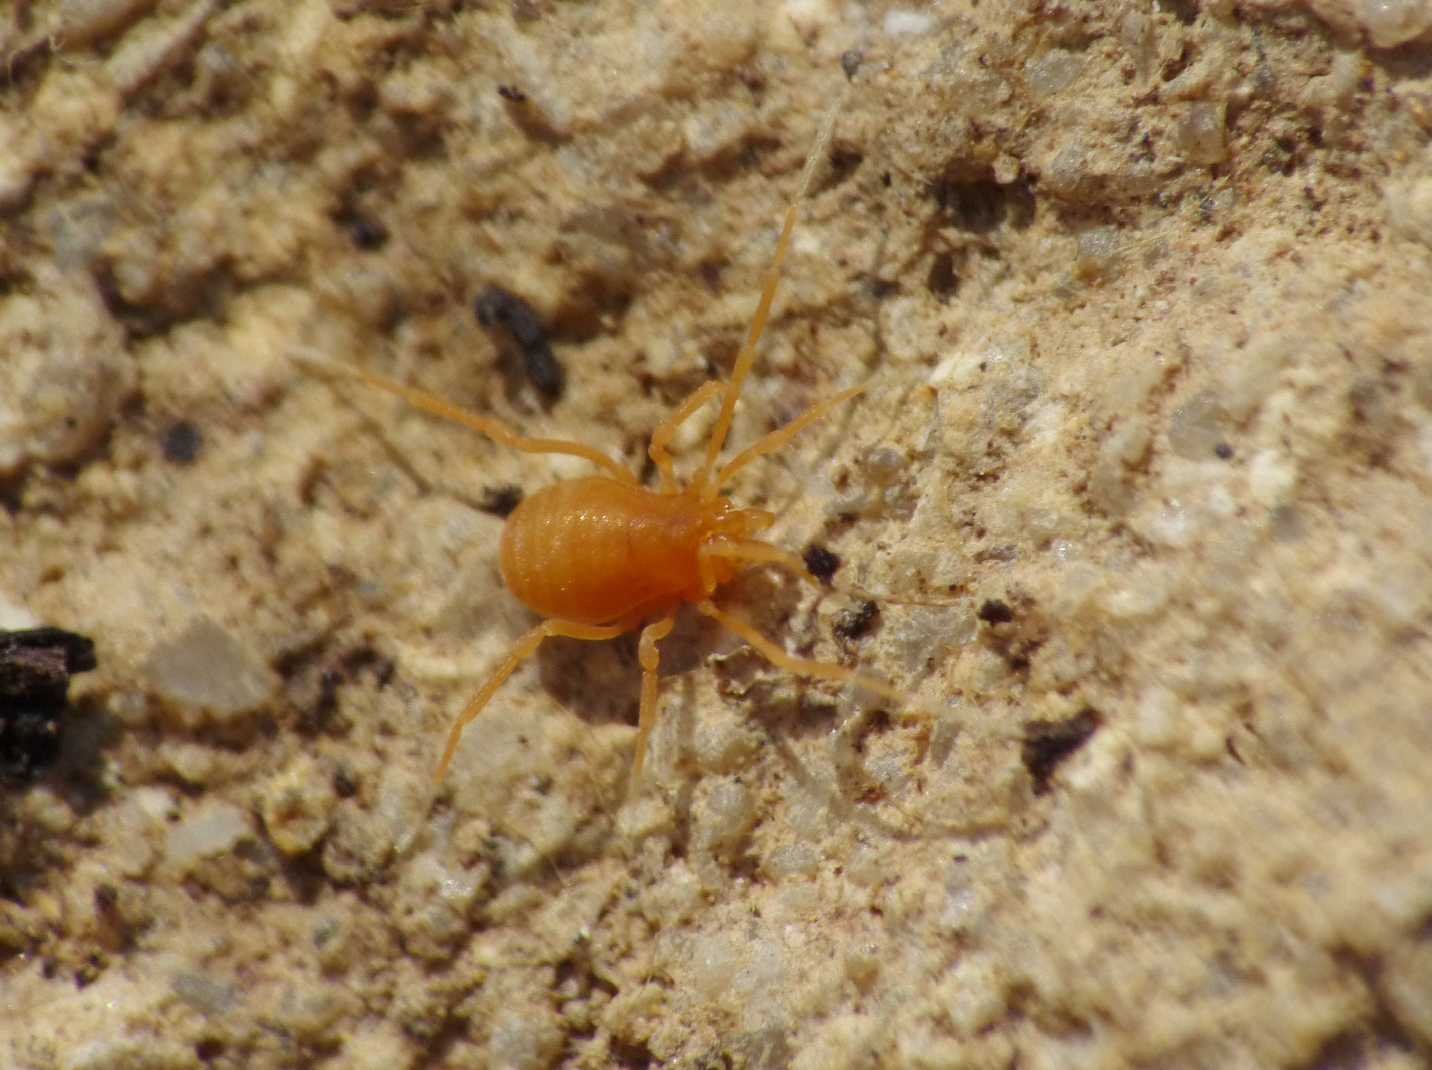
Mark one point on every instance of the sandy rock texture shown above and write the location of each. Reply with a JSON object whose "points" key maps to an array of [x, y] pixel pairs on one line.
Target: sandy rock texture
{"points": [[1142, 479]]}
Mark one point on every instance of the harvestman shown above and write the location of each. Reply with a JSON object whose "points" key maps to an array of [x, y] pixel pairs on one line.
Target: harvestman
{"points": [[601, 555]]}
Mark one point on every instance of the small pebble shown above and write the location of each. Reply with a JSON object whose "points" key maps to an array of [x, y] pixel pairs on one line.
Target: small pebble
{"points": [[298, 806], [1201, 135], [208, 670], [214, 828], [1395, 22]]}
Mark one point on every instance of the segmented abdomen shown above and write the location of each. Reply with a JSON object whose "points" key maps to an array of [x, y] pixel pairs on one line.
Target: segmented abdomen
{"points": [[595, 550]]}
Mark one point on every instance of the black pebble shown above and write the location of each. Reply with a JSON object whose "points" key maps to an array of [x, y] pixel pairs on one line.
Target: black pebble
{"points": [[35, 669], [498, 309], [820, 562], [181, 442]]}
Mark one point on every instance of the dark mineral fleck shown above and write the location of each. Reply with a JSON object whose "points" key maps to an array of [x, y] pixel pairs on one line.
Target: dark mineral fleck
{"points": [[1047, 743], [499, 310], [993, 611], [501, 500], [820, 562], [367, 234], [181, 442], [854, 623]]}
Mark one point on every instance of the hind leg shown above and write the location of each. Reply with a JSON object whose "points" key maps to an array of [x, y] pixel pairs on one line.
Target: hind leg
{"points": [[820, 670], [751, 552], [650, 659], [520, 652]]}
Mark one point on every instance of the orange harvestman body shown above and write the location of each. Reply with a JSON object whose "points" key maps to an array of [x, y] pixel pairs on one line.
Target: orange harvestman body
{"points": [[602, 555]]}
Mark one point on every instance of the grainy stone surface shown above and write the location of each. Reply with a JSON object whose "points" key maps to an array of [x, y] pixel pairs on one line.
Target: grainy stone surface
{"points": [[1143, 480]]}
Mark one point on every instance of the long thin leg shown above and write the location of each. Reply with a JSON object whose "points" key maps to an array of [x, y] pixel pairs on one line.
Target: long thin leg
{"points": [[756, 552], [759, 552], [666, 430], [752, 552], [650, 659], [486, 425], [778, 438], [821, 670], [520, 652], [703, 483]]}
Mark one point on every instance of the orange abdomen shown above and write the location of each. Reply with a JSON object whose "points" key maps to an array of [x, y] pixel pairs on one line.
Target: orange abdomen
{"points": [[595, 551]]}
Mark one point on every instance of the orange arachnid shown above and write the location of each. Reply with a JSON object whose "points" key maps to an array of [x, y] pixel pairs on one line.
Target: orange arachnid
{"points": [[603, 555]]}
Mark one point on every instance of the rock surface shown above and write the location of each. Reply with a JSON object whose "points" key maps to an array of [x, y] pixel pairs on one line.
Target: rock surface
{"points": [[1142, 481]]}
